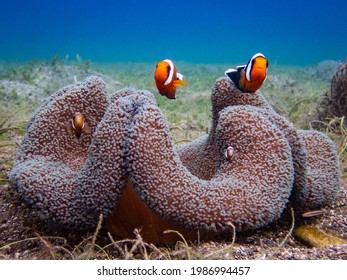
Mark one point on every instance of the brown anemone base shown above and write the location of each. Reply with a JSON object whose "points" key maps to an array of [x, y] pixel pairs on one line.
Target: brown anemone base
{"points": [[131, 213]]}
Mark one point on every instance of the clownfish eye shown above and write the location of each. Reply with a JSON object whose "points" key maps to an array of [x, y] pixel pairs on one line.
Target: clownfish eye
{"points": [[156, 66], [169, 68]]}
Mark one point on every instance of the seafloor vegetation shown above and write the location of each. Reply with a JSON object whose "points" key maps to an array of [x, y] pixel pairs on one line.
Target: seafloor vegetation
{"points": [[294, 92]]}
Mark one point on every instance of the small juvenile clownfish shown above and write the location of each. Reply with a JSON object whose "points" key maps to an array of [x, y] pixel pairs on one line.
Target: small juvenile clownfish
{"points": [[229, 153], [78, 125], [249, 77], [167, 79]]}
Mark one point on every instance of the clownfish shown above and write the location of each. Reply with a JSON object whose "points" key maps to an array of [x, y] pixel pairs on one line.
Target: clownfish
{"points": [[77, 125], [249, 77], [229, 153], [167, 79]]}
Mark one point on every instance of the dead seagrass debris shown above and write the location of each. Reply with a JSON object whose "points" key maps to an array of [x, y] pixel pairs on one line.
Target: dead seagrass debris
{"points": [[315, 237]]}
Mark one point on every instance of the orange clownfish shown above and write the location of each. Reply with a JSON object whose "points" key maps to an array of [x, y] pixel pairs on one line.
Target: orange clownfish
{"points": [[78, 125], [249, 77], [167, 79]]}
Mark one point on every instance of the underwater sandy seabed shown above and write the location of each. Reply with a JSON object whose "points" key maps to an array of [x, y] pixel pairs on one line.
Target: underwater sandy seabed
{"points": [[294, 92]]}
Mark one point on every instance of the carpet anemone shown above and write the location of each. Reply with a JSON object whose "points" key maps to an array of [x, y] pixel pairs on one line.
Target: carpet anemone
{"points": [[242, 174]]}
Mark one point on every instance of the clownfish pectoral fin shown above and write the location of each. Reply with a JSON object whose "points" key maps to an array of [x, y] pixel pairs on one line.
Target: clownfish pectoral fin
{"points": [[179, 83], [69, 127], [233, 75], [179, 76], [86, 128]]}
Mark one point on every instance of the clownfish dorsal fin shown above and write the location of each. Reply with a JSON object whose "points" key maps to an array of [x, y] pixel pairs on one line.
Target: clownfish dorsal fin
{"points": [[229, 71], [249, 65], [233, 75], [240, 67], [171, 72]]}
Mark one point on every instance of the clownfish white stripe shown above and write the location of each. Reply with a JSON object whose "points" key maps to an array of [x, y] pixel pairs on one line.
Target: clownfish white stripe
{"points": [[249, 67], [72, 124], [169, 79], [257, 55]]}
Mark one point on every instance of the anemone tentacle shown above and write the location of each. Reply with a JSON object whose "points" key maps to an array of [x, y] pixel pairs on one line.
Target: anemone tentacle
{"points": [[250, 192], [199, 156], [323, 172], [70, 180]]}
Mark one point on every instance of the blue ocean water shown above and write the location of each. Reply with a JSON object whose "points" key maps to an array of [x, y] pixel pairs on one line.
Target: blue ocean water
{"points": [[292, 32]]}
